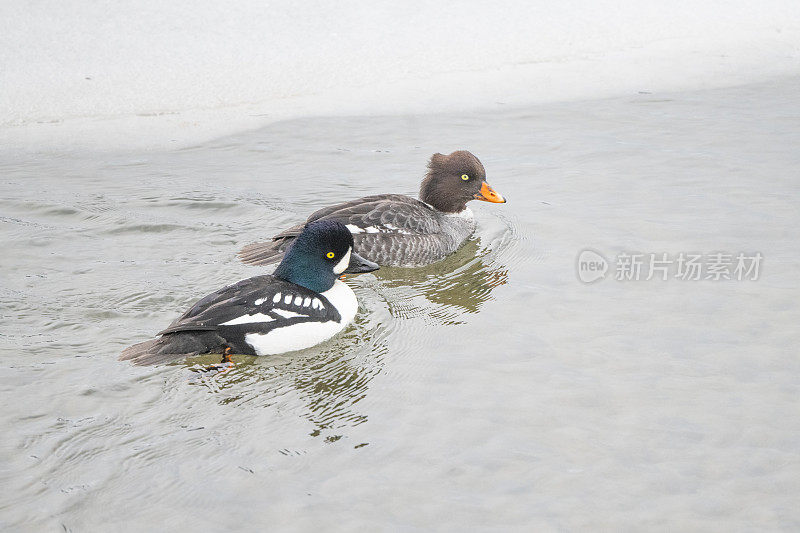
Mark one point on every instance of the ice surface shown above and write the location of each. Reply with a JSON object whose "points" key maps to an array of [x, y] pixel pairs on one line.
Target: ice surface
{"points": [[150, 73]]}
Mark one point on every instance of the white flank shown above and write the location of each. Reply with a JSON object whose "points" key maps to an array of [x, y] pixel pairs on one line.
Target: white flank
{"points": [[308, 334], [248, 319], [354, 229]]}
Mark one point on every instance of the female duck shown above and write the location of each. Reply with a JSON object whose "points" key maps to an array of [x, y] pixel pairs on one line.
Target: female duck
{"points": [[300, 305], [397, 230]]}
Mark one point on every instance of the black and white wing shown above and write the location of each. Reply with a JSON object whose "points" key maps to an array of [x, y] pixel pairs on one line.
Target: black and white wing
{"points": [[262, 300], [223, 319]]}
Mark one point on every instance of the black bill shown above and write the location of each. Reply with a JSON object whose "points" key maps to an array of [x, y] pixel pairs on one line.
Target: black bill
{"points": [[359, 265]]}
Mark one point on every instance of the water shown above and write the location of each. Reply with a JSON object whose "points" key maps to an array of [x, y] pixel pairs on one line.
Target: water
{"points": [[491, 390]]}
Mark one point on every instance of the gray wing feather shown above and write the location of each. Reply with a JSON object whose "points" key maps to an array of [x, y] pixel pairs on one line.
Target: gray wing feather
{"points": [[403, 231]]}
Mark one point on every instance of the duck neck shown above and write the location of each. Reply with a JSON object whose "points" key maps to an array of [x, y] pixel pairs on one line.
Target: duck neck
{"points": [[299, 270], [433, 193]]}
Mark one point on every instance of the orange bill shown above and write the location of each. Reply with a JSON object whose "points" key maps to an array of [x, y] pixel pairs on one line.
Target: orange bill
{"points": [[487, 194]]}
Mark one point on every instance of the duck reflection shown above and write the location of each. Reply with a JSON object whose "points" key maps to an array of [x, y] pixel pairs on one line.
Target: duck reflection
{"points": [[460, 283], [324, 384]]}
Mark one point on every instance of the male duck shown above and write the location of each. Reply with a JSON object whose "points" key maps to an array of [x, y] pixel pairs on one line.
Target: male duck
{"points": [[397, 230], [301, 304]]}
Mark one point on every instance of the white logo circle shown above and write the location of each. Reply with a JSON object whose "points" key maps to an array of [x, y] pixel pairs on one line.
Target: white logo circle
{"points": [[591, 266]]}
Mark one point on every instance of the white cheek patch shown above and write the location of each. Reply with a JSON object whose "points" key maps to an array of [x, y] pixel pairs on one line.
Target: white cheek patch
{"points": [[343, 263]]}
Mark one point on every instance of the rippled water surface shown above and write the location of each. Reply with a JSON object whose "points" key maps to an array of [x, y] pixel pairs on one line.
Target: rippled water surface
{"points": [[490, 390]]}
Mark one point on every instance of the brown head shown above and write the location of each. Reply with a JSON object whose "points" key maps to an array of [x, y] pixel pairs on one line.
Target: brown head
{"points": [[455, 179]]}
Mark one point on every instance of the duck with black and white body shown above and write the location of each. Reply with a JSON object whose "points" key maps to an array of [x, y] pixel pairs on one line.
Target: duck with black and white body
{"points": [[303, 303]]}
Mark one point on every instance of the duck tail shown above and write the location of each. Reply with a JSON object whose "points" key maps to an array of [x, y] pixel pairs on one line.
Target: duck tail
{"points": [[263, 253], [143, 353], [172, 347]]}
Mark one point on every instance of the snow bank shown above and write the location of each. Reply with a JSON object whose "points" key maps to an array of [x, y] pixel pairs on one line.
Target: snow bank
{"points": [[148, 73]]}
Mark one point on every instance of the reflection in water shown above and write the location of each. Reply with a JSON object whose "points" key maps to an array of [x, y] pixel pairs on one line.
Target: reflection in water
{"points": [[325, 382], [460, 283]]}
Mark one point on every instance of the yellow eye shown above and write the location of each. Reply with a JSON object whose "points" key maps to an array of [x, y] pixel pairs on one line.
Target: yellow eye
{"points": [[330, 255], [464, 177]]}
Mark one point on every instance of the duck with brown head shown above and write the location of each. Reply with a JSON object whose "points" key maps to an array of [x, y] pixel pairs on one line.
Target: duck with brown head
{"points": [[397, 230], [455, 179]]}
